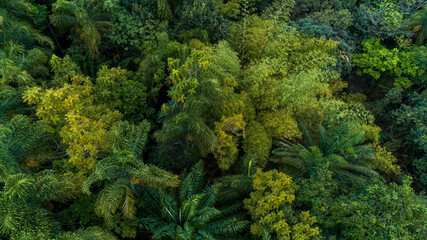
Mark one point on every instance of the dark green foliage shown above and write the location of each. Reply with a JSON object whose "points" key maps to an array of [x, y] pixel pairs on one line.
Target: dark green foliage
{"points": [[336, 149], [385, 19], [414, 118], [16, 19], [189, 127], [257, 142], [238, 186], [202, 14], [19, 139], [417, 22], [84, 19], [91, 233], [11, 102], [123, 169], [98, 97], [189, 213], [153, 67], [380, 212], [19, 66], [119, 89], [344, 53], [134, 26], [22, 196]]}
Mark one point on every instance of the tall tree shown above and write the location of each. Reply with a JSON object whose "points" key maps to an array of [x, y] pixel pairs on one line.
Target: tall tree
{"points": [[336, 149], [85, 19], [189, 213]]}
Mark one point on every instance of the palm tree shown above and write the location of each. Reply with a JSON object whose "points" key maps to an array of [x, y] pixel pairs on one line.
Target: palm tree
{"points": [[338, 149], [19, 139], [22, 198], [15, 25], [90, 233], [11, 102], [123, 169], [22, 194], [86, 20], [21, 66], [191, 214]]}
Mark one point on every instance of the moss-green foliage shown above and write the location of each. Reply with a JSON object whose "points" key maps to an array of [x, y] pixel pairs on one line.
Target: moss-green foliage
{"points": [[384, 160], [317, 28], [71, 113], [228, 131], [279, 124], [257, 142], [354, 114], [291, 75]]}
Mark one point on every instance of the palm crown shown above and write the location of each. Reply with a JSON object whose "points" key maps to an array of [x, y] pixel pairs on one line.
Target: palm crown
{"points": [[191, 214], [338, 149]]}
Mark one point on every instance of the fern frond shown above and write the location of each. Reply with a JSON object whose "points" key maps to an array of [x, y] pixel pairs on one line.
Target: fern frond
{"points": [[10, 102], [192, 128], [203, 235], [23, 33], [9, 220], [169, 208], [337, 149], [155, 177]]}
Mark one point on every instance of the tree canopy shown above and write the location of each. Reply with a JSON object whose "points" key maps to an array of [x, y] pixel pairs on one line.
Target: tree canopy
{"points": [[213, 119]]}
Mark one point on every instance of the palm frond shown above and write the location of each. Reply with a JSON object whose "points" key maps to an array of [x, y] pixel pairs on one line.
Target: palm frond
{"points": [[204, 215], [190, 206], [227, 227], [90, 233], [23, 138], [110, 199], [337, 149], [192, 183], [211, 195], [130, 137], [51, 186], [19, 187], [184, 233]]}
